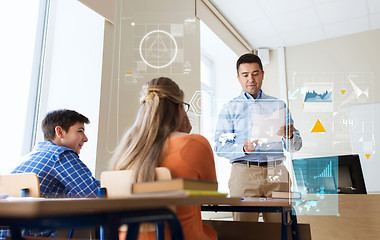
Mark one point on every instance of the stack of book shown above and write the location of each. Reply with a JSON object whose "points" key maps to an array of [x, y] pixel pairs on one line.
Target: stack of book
{"points": [[189, 186]]}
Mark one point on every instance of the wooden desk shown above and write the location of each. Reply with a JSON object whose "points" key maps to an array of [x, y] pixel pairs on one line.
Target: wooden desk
{"points": [[65, 213], [264, 205], [359, 218]]}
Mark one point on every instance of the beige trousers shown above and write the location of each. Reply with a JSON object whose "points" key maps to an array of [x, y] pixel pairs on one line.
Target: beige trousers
{"points": [[257, 181]]}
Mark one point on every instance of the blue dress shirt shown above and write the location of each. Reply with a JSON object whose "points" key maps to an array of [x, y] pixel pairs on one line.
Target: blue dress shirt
{"points": [[235, 125]]}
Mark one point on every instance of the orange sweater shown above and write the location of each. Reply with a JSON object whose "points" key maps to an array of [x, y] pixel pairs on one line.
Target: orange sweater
{"points": [[189, 156]]}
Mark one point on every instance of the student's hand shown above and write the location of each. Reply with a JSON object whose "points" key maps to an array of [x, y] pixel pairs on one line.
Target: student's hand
{"points": [[286, 131], [186, 125], [249, 146]]}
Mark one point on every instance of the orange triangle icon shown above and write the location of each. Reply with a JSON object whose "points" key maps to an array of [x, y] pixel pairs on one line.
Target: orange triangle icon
{"points": [[343, 91], [367, 155], [318, 127]]}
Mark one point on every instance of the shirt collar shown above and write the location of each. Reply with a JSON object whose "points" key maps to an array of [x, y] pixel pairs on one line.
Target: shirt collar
{"points": [[248, 96]]}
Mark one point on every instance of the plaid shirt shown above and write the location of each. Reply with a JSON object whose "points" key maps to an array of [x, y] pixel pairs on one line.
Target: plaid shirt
{"points": [[61, 174]]}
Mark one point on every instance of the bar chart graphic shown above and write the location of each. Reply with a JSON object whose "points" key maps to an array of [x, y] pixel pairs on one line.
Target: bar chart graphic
{"points": [[327, 172], [317, 177]]}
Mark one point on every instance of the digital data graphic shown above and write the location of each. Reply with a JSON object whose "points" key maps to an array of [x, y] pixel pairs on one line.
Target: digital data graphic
{"points": [[320, 102], [318, 127], [317, 180], [158, 49], [316, 97]]}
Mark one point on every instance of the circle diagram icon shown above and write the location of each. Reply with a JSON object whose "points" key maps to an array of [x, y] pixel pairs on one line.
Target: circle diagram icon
{"points": [[158, 49]]}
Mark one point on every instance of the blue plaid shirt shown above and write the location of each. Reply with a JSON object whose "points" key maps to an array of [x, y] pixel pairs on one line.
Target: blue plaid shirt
{"points": [[61, 174]]}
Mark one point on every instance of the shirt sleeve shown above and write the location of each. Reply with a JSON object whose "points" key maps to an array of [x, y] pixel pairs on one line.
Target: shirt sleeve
{"points": [[293, 144], [75, 176], [226, 144]]}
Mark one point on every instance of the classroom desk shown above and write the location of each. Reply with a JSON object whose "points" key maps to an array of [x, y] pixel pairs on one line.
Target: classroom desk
{"points": [[284, 206], [358, 218], [111, 213]]}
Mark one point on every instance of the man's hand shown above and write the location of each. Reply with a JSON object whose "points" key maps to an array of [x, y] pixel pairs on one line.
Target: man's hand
{"points": [[249, 146], [286, 131], [186, 125]]}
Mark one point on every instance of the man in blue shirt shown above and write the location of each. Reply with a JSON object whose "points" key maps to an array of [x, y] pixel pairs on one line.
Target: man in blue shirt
{"points": [[56, 160], [255, 149]]}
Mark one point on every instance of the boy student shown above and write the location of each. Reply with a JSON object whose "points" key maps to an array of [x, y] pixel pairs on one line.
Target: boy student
{"points": [[56, 160]]}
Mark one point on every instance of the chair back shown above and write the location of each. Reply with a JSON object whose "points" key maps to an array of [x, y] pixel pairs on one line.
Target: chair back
{"points": [[12, 184], [119, 183]]}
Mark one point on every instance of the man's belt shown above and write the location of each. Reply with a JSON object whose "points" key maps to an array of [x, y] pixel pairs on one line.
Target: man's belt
{"points": [[260, 164]]}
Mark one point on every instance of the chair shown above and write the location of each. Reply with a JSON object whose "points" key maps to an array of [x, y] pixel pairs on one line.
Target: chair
{"points": [[20, 185], [118, 184]]}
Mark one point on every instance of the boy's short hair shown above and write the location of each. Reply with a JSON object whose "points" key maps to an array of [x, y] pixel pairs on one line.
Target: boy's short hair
{"points": [[64, 118], [248, 58]]}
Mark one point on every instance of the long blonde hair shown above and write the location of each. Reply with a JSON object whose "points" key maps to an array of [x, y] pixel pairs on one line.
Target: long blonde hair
{"points": [[141, 148]]}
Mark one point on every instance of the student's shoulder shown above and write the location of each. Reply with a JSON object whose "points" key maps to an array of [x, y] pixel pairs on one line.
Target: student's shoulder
{"points": [[197, 140], [197, 137], [191, 140], [55, 150]]}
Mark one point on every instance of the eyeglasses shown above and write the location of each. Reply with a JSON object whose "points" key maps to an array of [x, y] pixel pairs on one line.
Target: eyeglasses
{"points": [[186, 106]]}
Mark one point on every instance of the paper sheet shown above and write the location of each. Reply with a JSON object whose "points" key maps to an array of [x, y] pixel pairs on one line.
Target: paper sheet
{"points": [[266, 126]]}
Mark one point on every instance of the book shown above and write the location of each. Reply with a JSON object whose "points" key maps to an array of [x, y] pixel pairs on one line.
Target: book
{"points": [[204, 193], [286, 195], [179, 193], [175, 184]]}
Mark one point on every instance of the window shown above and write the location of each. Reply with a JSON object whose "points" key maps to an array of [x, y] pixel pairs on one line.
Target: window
{"points": [[219, 85], [73, 66], [19, 26], [68, 77]]}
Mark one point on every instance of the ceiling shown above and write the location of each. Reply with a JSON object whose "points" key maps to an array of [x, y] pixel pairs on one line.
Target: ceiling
{"points": [[284, 23]]}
